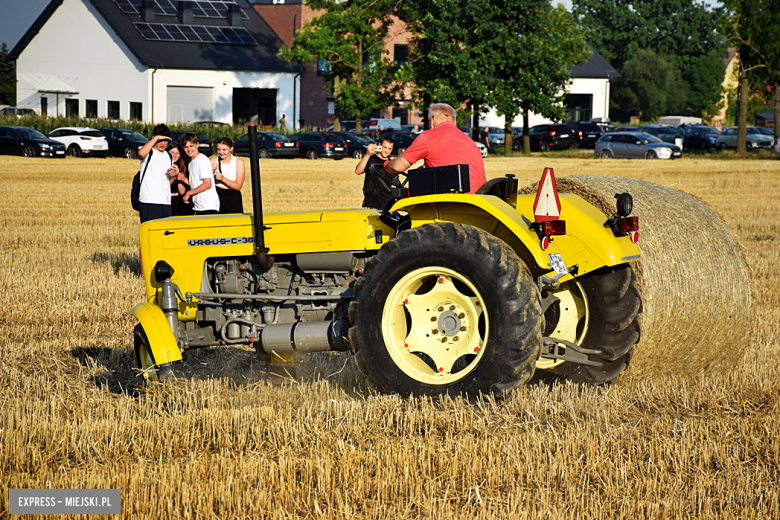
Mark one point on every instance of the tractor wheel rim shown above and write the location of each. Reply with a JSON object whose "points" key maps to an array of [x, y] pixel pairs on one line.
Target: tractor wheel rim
{"points": [[573, 319], [435, 325]]}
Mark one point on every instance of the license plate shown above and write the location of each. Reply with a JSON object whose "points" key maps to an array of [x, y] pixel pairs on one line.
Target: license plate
{"points": [[289, 144], [203, 146], [339, 149], [101, 146], [564, 135], [591, 135], [677, 153], [60, 152], [556, 262]]}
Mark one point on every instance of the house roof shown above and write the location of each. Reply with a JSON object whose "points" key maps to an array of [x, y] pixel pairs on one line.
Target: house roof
{"points": [[595, 67], [765, 116], [126, 20]]}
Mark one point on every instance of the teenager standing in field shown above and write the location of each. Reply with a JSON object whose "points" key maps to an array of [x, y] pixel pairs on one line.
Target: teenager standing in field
{"points": [[156, 179], [203, 192], [178, 207], [376, 193], [229, 173]]}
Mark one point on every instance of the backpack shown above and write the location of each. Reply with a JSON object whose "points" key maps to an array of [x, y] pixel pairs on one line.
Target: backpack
{"points": [[135, 192]]}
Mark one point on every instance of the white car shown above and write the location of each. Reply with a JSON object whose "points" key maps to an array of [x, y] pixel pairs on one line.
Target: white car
{"points": [[755, 138], [81, 141], [482, 148]]}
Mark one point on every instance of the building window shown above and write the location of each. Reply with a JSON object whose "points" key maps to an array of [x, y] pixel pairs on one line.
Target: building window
{"points": [[71, 108], [44, 106], [136, 110], [92, 108], [401, 114], [113, 110], [401, 55], [579, 107], [323, 67], [331, 107]]}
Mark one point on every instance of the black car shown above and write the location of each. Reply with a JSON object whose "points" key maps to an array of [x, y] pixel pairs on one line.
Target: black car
{"points": [[269, 145], [401, 142], [357, 144], [314, 144], [586, 133], [665, 133], [205, 146], [699, 136], [551, 137], [29, 142], [123, 142]]}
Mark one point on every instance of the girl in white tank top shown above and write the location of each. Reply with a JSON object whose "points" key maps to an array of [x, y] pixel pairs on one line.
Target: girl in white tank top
{"points": [[229, 174]]}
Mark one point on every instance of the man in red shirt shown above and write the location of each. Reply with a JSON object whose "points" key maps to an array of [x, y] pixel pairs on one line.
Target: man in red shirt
{"points": [[442, 145]]}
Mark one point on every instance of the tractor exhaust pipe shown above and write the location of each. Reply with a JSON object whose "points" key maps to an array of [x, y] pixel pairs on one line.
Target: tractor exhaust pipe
{"points": [[266, 262]]}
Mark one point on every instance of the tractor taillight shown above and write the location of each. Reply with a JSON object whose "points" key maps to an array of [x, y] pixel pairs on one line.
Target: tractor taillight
{"points": [[553, 227], [627, 224], [277, 144], [634, 236]]}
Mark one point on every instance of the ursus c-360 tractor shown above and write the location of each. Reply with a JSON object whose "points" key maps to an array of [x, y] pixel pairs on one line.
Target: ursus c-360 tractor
{"points": [[443, 292]]}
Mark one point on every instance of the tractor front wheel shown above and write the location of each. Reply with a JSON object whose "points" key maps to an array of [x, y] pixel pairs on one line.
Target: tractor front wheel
{"points": [[446, 309], [145, 360]]}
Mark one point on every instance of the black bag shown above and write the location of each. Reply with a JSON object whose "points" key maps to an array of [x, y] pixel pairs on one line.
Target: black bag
{"points": [[135, 192]]}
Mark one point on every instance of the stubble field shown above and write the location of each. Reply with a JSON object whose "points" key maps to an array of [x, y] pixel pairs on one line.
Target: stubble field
{"points": [[232, 446]]}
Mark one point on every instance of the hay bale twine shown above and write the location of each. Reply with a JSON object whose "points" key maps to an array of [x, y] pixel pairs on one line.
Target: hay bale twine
{"points": [[693, 278]]}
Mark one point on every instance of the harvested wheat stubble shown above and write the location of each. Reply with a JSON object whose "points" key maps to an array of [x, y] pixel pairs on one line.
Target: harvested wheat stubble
{"points": [[693, 278]]}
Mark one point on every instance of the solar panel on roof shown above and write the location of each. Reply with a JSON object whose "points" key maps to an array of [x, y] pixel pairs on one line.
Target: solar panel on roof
{"points": [[195, 33], [218, 35], [200, 8], [231, 35], [162, 32], [126, 6], [203, 33]]}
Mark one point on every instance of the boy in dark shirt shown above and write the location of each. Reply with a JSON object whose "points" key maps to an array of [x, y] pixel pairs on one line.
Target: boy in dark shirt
{"points": [[376, 192]]}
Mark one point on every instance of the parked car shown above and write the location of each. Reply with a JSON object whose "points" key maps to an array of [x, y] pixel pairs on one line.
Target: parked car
{"points": [[755, 139], [482, 148], [346, 126], [269, 145], [586, 133], [551, 137], [627, 129], [495, 135], [16, 111], [382, 126], [123, 142], [357, 144], [205, 146], [665, 133], [412, 129], [700, 136], [315, 144], [776, 145], [401, 141], [635, 145], [29, 142], [81, 140]]}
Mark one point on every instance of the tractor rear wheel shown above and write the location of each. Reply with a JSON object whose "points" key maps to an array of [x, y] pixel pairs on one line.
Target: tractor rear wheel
{"points": [[446, 309], [145, 360], [612, 326]]}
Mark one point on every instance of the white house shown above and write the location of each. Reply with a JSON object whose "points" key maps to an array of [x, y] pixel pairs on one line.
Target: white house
{"points": [[155, 61], [586, 98]]}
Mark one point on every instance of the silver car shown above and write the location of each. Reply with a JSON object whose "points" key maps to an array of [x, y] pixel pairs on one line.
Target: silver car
{"points": [[635, 145], [755, 138]]}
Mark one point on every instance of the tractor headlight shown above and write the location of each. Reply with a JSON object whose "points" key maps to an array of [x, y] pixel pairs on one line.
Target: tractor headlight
{"points": [[664, 153]]}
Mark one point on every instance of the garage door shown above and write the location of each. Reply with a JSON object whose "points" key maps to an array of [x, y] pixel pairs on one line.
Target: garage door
{"points": [[189, 104]]}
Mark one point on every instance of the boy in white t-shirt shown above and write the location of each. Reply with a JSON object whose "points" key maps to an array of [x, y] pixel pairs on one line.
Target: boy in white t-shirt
{"points": [[205, 200], [157, 174]]}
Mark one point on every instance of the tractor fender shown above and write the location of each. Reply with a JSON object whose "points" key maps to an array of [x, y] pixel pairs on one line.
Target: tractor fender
{"points": [[161, 339], [587, 242]]}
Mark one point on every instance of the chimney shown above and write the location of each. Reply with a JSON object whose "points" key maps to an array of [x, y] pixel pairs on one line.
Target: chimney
{"points": [[147, 11], [234, 15], [185, 13]]}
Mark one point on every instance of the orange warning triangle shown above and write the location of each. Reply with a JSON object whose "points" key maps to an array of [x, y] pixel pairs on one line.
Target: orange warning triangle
{"points": [[547, 206]]}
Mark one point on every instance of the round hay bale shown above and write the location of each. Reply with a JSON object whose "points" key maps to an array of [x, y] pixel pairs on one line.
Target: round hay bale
{"points": [[693, 277]]}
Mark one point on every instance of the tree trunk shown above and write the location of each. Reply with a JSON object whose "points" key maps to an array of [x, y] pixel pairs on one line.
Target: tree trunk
{"points": [[777, 111], [336, 115], [743, 103], [526, 137], [475, 121], [508, 133]]}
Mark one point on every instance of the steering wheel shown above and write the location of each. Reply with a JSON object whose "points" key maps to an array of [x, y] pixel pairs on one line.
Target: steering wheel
{"points": [[392, 180]]}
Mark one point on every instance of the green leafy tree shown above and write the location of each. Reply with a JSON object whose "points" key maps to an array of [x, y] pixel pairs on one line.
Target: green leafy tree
{"points": [[350, 36], [685, 31], [7, 77], [649, 86], [528, 80], [753, 26]]}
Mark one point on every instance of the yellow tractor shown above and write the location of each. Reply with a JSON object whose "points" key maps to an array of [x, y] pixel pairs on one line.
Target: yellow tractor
{"points": [[443, 292]]}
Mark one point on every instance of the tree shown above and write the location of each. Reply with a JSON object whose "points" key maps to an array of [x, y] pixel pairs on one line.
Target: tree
{"points": [[525, 78], [7, 77], [754, 27], [350, 36], [649, 86], [682, 30]]}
